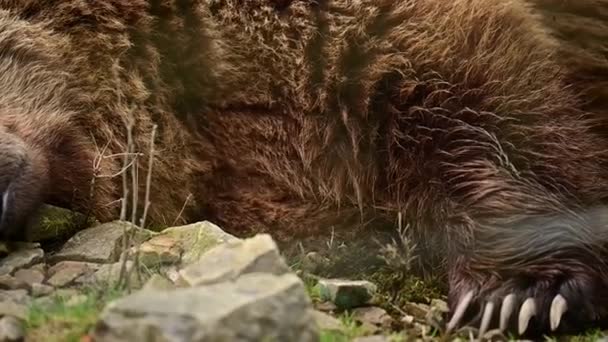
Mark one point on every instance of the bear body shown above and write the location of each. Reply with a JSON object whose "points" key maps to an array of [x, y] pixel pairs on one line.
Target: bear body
{"points": [[462, 115]]}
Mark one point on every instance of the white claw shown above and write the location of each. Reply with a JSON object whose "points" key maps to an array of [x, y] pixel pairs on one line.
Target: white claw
{"points": [[506, 310], [462, 306], [527, 311], [485, 318], [558, 307]]}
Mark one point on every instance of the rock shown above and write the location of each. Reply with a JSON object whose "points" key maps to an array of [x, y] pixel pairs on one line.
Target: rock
{"points": [[346, 293], [326, 306], [408, 321], [39, 290], [53, 222], [65, 272], [230, 260], [160, 250], [254, 307], [18, 296], [327, 322], [418, 310], [10, 308], [171, 272], [30, 276], [197, 238], [11, 329], [312, 261], [99, 244], [373, 315], [109, 274], [158, 282], [440, 305], [8, 282], [20, 259]]}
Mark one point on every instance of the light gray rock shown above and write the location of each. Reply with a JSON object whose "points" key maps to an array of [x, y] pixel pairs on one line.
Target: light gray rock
{"points": [[110, 274], [65, 272], [230, 260], [347, 293], [327, 322], [255, 307], [158, 282], [11, 329], [99, 244], [20, 259], [196, 239]]}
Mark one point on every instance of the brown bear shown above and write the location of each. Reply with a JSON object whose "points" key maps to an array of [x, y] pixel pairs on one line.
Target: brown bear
{"points": [[466, 116]]}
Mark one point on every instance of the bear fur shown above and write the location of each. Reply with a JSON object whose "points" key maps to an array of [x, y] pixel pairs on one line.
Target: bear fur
{"points": [[479, 120]]}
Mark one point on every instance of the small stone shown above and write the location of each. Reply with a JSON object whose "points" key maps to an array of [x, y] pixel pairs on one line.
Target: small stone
{"points": [[418, 310], [171, 272], [158, 282], [20, 259], [8, 282], [196, 239], [65, 272], [326, 306], [11, 329], [160, 250], [10, 308], [99, 244], [440, 305], [233, 259], [30, 276], [39, 290], [254, 307], [327, 322], [346, 293], [408, 321], [373, 315]]}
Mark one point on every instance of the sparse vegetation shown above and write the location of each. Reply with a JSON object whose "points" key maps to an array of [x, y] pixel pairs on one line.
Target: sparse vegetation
{"points": [[61, 320]]}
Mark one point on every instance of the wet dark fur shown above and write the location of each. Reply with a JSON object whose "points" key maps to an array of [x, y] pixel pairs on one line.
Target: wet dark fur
{"points": [[480, 120]]}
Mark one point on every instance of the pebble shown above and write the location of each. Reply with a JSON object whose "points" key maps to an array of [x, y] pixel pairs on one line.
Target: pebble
{"points": [[347, 294], [11, 329]]}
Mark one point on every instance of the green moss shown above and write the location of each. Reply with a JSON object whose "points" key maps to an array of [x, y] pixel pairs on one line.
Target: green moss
{"points": [[55, 223]]}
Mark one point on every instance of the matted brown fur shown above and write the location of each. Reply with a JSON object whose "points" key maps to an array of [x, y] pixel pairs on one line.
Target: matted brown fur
{"points": [[470, 117]]}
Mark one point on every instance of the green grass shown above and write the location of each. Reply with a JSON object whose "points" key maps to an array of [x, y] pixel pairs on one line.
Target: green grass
{"points": [[61, 322]]}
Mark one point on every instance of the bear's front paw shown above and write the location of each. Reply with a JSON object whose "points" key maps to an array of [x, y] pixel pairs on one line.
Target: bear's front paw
{"points": [[543, 300]]}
